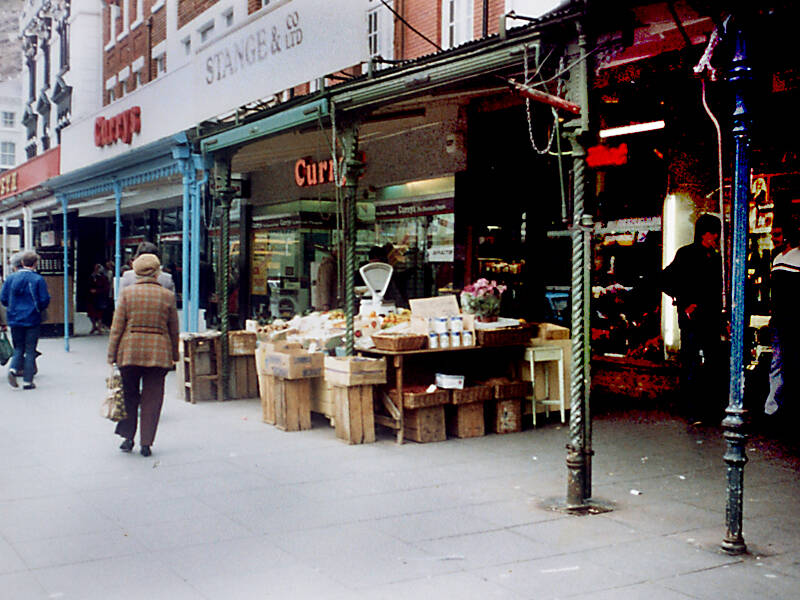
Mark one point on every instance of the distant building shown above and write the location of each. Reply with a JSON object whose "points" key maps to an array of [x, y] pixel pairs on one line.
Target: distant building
{"points": [[12, 136]]}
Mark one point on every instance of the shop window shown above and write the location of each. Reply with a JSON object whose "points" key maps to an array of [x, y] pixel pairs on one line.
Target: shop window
{"points": [[8, 151], [9, 119], [456, 22]]}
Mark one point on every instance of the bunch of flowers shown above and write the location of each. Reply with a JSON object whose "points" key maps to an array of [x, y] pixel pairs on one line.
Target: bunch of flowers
{"points": [[482, 298]]}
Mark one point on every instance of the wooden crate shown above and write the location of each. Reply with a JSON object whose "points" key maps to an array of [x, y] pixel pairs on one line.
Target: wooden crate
{"points": [[465, 420], [266, 390], [423, 399], [355, 370], [354, 416], [292, 403], [241, 343], [242, 377], [472, 393], [508, 336], [507, 416], [511, 390], [424, 424]]}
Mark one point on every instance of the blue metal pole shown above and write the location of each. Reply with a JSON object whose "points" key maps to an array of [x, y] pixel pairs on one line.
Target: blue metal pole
{"points": [[194, 324], [65, 239], [185, 241], [117, 238], [735, 437]]}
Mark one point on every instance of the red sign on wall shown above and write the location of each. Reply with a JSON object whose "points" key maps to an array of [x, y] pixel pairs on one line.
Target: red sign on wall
{"points": [[607, 156], [119, 127]]}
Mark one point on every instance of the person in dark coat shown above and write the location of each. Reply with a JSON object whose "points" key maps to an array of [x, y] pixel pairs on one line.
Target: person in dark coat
{"points": [[25, 296], [98, 298], [143, 343], [694, 280]]}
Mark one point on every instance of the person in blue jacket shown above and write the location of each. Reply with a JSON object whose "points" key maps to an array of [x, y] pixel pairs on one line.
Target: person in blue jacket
{"points": [[25, 296]]}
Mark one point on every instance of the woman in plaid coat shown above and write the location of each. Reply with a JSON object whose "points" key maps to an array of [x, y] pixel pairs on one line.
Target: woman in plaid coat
{"points": [[143, 343]]}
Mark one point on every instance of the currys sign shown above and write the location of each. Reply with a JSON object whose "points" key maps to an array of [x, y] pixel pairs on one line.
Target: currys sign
{"points": [[119, 127]]}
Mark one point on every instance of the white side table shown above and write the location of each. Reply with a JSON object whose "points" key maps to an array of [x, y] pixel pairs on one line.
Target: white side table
{"points": [[550, 356]]}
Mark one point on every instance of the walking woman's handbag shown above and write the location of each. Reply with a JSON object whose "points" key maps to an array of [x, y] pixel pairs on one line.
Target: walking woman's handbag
{"points": [[6, 351], [113, 406]]}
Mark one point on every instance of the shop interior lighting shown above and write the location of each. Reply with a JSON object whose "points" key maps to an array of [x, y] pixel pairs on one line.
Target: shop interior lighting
{"points": [[635, 128]]}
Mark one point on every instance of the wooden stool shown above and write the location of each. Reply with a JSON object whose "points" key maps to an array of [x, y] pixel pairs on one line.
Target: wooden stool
{"points": [[551, 356], [292, 399]]}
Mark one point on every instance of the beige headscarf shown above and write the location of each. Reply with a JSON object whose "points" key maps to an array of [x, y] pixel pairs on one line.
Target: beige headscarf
{"points": [[147, 265]]}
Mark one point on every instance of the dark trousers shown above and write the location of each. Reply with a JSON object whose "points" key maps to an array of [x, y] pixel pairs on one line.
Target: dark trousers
{"points": [[702, 372], [25, 340], [143, 387]]}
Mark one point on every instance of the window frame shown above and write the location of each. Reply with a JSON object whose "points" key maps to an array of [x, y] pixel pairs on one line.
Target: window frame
{"points": [[8, 149]]}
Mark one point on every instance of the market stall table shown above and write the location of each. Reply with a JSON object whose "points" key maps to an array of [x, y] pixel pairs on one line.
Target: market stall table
{"points": [[394, 418]]}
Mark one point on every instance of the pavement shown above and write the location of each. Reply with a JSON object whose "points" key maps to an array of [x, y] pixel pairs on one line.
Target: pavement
{"points": [[228, 506]]}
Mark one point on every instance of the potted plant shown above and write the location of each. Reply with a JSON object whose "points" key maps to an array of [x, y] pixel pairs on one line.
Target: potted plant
{"points": [[482, 299]]}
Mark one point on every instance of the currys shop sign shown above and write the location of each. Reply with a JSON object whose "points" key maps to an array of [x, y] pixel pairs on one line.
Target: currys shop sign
{"points": [[285, 44]]}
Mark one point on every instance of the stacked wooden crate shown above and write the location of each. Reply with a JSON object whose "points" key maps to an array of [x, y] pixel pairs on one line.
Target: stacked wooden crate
{"points": [[352, 381], [465, 416], [285, 374]]}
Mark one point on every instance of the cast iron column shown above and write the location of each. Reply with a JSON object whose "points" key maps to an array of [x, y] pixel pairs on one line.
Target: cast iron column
{"points": [[222, 188], [735, 437], [579, 446], [353, 168]]}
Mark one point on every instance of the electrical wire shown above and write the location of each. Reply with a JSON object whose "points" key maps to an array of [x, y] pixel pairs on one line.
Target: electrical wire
{"points": [[411, 27]]}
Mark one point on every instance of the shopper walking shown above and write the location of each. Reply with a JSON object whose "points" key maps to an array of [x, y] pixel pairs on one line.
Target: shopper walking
{"points": [[25, 297], [98, 298], [143, 343], [694, 280], [129, 277]]}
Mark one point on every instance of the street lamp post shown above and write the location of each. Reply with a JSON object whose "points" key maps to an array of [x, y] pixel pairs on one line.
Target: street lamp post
{"points": [[735, 437]]}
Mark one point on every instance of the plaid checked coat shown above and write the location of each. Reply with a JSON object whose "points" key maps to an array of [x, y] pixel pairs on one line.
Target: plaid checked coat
{"points": [[144, 331]]}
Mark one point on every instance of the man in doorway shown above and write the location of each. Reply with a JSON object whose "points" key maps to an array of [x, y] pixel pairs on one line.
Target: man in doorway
{"points": [[694, 280]]}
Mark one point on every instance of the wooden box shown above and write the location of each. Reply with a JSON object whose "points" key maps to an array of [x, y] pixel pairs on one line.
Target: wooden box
{"points": [[424, 424], [292, 399], [241, 343], [509, 336], [507, 416], [266, 390], [355, 370], [511, 390], [423, 399], [354, 415], [242, 377], [470, 394], [466, 420]]}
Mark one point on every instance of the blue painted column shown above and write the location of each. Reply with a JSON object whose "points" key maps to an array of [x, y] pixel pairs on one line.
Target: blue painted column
{"points": [[734, 423], [65, 242], [194, 279], [117, 238], [185, 242]]}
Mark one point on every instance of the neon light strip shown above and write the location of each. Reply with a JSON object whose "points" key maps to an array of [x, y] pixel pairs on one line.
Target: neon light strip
{"points": [[635, 128]]}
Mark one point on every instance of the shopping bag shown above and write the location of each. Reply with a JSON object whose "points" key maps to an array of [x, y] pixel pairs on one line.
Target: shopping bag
{"points": [[113, 407], [6, 350]]}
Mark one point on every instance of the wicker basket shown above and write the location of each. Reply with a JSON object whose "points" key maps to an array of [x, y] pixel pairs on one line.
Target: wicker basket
{"points": [[474, 393], [241, 343], [510, 336], [399, 342], [423, 399]]}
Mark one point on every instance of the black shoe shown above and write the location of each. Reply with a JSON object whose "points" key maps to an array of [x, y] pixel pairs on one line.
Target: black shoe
{"points": [[145, 451], [29, 386], [12, 378], [126, 446]]}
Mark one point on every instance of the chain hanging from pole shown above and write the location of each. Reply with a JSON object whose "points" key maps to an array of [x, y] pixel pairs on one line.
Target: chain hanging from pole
{"points": [[545, 150]]}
